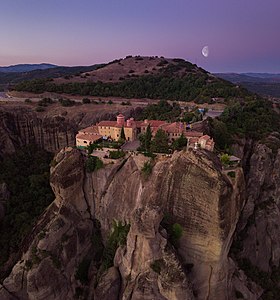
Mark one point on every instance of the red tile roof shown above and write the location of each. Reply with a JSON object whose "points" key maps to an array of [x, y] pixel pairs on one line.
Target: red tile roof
{"points": [[153, 123], [205, 137], [173, 127], [193, 134], [108, 123], [90, 130], [88, 137]]}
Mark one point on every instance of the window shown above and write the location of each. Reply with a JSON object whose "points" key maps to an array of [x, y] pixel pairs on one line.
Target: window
{"points": [[85, 142]]}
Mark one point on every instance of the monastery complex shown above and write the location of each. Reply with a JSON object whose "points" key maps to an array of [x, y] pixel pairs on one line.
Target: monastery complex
{"points": [[112, 130]]}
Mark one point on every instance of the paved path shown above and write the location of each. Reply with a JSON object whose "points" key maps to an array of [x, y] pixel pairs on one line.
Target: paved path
{"points": [[132, 146], [213, 113]]}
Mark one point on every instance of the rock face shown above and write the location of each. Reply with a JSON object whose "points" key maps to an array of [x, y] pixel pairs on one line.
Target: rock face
{"points": [[189, 188], [256, 248], [22, 126], [53, 130]]}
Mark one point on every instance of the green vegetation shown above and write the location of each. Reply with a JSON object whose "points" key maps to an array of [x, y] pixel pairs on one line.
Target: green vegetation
{"points": [[93, 163], [192, 84], [180, 143], [159, 143], [116, 239], [157, 265], [161, 111], [231, 174], [174, 230], [86, 100], [26, 173], [177, 232], [192, 116], [45, 102], [145, 140], [253, 119], [225, 159], [122, 135], [147, 169], [66, 102], [116, 154]]}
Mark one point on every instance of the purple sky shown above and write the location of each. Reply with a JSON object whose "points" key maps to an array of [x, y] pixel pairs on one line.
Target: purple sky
{"points": [[242, 35]]}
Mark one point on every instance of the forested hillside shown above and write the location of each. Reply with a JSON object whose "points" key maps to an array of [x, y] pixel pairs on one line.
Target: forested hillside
{"points": [[174, 80]]}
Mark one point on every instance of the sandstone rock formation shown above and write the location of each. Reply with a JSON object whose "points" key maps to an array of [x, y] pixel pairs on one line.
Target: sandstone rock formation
{"points": [[190, 188], [22, 125], [256, 248]]}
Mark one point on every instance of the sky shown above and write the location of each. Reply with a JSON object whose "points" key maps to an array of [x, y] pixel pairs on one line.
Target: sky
{"points": [[242, 35]]}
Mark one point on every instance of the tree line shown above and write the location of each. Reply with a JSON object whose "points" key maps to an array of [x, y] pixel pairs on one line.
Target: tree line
{"points": [[192, 86]]}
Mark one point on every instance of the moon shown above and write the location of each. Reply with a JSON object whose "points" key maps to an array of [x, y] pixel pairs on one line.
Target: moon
{"points": [[205, 51]]}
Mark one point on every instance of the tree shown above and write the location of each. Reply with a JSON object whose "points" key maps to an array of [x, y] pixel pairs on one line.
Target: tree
{"points": [[180, 143], [122, 136], [160, 142], [145, 139], [148, 138]]}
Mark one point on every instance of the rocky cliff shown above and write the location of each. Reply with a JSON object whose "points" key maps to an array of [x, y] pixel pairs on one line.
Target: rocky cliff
{"points": [[256, 247], [66, 254], [51, 130]]}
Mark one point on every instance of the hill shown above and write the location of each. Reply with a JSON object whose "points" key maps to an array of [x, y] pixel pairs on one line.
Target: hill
{"points": [[8, 79], [262, 83], [142, 77], [26, 67]]}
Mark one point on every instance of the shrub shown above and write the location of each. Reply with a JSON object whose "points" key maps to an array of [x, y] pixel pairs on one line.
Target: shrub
{"points": [[45, 102], [86, 101], [110, 102], [93, 163], [40, 109], [174, 230], [27, 101], [231, 174], [67, 102], [116, 154], [177, 232], [147, 169], [116, 239], [225, 159], [157, 265]]}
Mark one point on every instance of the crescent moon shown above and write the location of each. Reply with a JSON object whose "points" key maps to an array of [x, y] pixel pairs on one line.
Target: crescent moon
{"points": [[205, 51]]}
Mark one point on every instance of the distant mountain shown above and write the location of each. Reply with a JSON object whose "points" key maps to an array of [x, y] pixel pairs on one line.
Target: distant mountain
{"points": [[26, 67], [266, 84], [263, 75], [8, 79], [249, 77]]}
